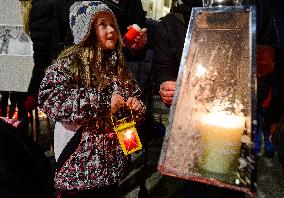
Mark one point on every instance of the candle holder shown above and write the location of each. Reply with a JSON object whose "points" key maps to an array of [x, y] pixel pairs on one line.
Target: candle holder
{"points": [[213, 115], [127, 134]]}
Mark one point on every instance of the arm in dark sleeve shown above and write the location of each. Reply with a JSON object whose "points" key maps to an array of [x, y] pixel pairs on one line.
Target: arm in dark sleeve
{"points": [[133, 13], [165, 63], [40, 31], [61, 33]]}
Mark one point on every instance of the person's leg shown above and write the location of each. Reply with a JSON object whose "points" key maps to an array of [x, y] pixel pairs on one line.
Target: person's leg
{"points": [[20, 100], [6, 46], [268, 146], [13, 104], [258, 138], [4, 103], [22, 113]]}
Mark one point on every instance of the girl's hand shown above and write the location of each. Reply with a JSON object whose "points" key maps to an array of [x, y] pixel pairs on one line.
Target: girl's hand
{"points": [[116, 102], [134, 104]]}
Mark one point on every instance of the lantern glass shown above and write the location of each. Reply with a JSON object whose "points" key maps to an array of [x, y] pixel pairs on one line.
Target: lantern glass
{"points": [[212, 117], [128, 136]]}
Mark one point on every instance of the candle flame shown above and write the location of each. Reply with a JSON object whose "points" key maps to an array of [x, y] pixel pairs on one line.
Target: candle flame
{"points": [[226, 121], [128, 134]]}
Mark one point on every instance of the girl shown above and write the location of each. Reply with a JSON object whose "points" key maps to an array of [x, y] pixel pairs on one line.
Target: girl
{"points": [[81, 90]]}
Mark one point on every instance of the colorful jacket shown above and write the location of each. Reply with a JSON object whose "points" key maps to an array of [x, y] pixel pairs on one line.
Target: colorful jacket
{"points": [[92, 157]]}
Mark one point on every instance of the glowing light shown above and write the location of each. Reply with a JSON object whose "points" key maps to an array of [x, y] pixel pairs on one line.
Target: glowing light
{"points": [[128, 134], [200, 70], [226, 121], [221, 134]]}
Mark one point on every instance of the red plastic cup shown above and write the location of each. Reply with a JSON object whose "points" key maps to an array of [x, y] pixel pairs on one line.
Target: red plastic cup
{"points": [[131, 34]]}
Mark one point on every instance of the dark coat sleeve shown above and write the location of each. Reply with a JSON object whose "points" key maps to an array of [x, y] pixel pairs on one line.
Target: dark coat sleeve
{"points": [[61, 33], [40, 31], [168, 46], [132, 13]]}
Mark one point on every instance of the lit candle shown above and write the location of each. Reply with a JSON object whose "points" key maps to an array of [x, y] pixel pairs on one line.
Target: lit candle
{"points": [[128, 136], [221, 136], [129, 139]]}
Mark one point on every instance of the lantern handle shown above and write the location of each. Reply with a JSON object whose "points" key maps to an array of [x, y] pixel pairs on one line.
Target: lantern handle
{"points": [[111, 115]]}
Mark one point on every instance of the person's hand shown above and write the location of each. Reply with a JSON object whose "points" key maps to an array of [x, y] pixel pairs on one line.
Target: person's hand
{"points": [[264, 61], [134, 104], [141, 40], [117, 101], [31, 103], [167, 90]]}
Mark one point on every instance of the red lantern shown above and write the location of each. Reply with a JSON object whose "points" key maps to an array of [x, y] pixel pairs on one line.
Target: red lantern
{"points": [[128, 136]]}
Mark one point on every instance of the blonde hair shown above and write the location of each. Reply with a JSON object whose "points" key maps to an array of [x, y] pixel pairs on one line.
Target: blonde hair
{"points": [[26, 7]]}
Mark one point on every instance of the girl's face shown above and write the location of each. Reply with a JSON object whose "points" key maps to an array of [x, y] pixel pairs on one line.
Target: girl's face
{"points": [[105, 30]]}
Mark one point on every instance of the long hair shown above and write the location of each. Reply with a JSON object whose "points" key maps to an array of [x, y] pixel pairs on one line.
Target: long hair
{"points": [[26, 7], [88, 64]]}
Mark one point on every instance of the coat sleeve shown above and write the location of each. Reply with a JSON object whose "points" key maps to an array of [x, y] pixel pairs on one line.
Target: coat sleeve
{"points": [[165, 63], [40, 31], [132, 13], [65, 101]]}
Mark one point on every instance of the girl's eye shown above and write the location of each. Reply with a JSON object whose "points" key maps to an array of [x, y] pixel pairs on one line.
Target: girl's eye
{"points": [[102, 24]]}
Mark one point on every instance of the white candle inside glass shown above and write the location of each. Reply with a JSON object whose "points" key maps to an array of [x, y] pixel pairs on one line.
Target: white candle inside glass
{"points": [[221, 136]]}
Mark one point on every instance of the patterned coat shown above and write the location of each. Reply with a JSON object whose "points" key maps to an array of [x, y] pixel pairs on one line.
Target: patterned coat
{"points": [[92, 156]]}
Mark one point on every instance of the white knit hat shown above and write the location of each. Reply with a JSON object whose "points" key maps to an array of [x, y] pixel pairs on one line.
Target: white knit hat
{"points": [[81, 18]]}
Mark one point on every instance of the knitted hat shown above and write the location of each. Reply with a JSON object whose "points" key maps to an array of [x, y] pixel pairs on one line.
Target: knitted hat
{"points": [[81, 18]]}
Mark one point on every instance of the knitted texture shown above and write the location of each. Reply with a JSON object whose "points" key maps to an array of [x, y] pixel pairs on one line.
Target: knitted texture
{"points": [[81, 18]]}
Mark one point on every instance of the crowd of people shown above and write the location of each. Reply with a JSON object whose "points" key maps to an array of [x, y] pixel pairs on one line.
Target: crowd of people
{"points": [[80, 80]]}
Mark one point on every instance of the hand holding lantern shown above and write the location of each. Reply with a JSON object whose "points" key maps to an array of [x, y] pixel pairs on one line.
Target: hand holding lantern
{"points": [[117, 101], [125, 127], [133, 104]]}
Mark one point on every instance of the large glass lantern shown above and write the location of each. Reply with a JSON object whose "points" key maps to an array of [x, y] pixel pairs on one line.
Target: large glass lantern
{"points": [[213, 115]]}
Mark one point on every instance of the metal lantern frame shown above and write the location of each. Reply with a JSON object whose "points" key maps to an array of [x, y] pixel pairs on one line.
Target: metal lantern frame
{"points": [[175, 145], [121, 128]]}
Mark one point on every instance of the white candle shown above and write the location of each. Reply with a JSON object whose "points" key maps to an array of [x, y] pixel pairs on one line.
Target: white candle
{"points": [[221, 136]]}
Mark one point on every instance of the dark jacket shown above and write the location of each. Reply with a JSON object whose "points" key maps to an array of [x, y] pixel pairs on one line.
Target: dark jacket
{"points": [[40, 32], [168, 44], [24, 169], [171, 32], [127, 13]]}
